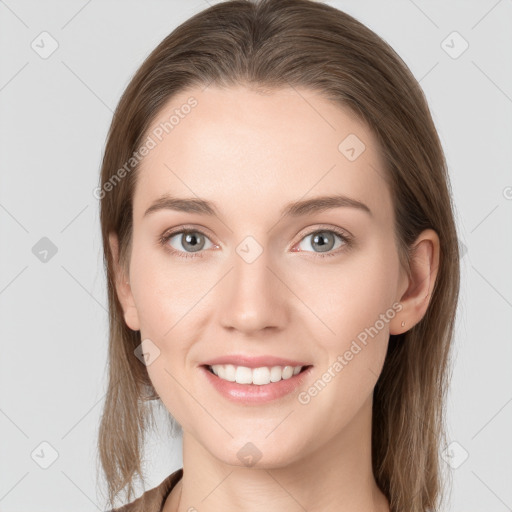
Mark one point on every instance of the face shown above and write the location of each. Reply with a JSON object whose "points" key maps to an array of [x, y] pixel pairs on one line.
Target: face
{"points": [[314, 286]]}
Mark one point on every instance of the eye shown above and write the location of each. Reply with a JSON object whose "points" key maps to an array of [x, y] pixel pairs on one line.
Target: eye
{"points": [[324, 240], [191, 243], [186, 241]]}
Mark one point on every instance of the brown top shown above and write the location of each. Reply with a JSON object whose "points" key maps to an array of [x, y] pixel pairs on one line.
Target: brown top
{"points": [[154, 499]]}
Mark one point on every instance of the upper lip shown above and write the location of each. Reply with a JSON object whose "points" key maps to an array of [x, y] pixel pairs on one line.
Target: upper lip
{"points": [[253, 361]]}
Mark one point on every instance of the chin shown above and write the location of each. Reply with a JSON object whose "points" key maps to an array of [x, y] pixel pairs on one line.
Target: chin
{"points": [[259, 453]]}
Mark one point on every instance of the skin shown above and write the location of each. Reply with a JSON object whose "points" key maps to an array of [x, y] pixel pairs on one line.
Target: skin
{"points": [[251, 153]]}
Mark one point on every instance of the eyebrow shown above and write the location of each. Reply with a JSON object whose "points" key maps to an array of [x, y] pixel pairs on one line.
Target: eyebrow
{"points": [[294, 209]]}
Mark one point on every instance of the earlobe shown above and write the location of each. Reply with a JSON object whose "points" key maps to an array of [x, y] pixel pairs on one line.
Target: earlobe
{"points": [[123, 288], [424, 268]]}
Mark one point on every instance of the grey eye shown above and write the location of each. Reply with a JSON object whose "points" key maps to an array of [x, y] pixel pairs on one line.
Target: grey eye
{"points": [[190, 241], [323, 240]]}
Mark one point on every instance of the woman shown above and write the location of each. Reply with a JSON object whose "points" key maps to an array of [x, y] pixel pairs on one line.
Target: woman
{"points": [[282, 267]]}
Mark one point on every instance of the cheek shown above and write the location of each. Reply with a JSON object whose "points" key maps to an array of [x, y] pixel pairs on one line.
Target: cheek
{"points": [[339, 304], [357, 305], [158, 291], [344, 296], [350, 296]]}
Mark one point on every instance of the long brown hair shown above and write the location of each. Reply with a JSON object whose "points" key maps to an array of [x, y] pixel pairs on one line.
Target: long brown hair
{"points": [[287, 43]]}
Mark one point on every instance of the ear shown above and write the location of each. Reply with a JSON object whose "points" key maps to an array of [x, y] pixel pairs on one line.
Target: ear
{"points": [[123, 288], [417, 289]]}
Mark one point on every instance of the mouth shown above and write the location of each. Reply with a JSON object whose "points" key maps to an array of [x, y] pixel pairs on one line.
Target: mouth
{"points": [[245, 385], [260, 376]]}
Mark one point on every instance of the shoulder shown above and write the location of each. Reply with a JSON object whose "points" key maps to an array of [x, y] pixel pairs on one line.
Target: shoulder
{"points": [[154, 499]]}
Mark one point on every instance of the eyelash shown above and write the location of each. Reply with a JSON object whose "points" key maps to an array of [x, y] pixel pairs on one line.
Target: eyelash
{"points": [[163, 240]]}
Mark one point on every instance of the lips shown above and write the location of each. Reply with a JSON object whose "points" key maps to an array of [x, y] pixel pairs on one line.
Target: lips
{"points": [[246, 394], [254, 361]]}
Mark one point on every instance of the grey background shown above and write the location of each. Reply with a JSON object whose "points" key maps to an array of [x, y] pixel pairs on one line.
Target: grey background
{"points": [[54, 116]]}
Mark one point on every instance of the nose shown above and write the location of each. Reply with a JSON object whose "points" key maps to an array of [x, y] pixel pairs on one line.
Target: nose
{"points": [[253, 297]]}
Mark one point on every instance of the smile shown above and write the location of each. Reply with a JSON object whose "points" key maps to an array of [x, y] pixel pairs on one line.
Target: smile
{"points": [[258, 376], [241, 384]]}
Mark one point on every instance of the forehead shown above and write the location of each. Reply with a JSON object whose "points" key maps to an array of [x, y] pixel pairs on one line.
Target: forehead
{"points": [[247, 148]]}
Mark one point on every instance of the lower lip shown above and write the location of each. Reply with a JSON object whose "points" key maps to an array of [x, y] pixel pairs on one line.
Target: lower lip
{"points": [[253, 393]]}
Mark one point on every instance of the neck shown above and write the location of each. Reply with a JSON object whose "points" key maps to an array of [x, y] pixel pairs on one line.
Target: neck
{"points": [[338, 477]]}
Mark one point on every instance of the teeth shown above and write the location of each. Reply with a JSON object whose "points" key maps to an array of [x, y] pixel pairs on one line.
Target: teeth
{"points": [[258, 376]]}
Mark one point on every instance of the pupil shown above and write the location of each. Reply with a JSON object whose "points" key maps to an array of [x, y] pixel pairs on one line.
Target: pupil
{"points": [[191, 240], [323, 240]]}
